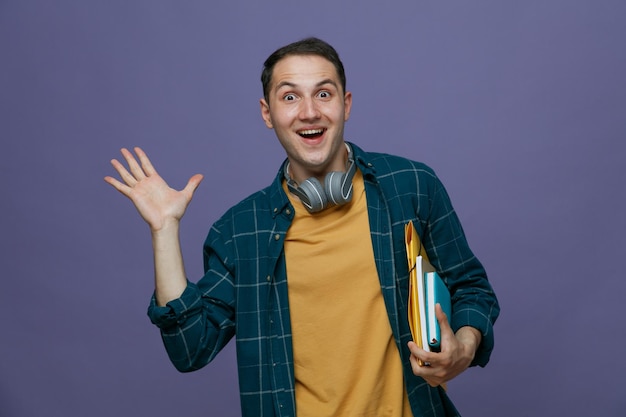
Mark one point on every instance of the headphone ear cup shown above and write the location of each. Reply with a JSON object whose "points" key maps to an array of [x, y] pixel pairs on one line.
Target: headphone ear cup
{"points": [[338, 190], [314, 198]]}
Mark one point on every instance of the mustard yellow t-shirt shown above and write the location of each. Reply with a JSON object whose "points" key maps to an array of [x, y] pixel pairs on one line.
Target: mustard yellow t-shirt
{"points": [[346, 360]]}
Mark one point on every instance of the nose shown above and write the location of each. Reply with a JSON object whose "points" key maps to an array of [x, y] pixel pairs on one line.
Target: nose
{"points": [[309, 109]]}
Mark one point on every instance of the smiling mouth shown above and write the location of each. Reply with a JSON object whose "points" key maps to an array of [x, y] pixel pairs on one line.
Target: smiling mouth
{"points": [[311, 133]]}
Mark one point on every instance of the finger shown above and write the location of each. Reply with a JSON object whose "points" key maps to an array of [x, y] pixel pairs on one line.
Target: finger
{"points": [[442, 318], [126, 176], [416, 364], [148, 169], [122, 188], [416, 367], [193, 184], [422, 358], [448, 339], [133, 165], [413, 348], [424, 372], [427, 369]]}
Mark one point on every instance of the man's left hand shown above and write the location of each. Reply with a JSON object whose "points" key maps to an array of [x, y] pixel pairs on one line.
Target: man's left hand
{"points": [[457, 353]]}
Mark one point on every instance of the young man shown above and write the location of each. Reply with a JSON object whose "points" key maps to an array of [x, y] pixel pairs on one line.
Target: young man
{"points": [[310, 273]]}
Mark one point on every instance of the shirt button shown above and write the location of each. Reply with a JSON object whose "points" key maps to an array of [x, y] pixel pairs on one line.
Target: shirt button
{"points": [[269, 278], [275, 210], [276, 236], [288, 211]]}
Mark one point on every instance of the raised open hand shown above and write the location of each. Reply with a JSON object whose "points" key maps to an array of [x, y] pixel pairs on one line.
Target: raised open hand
{"points": [[157, 203]]}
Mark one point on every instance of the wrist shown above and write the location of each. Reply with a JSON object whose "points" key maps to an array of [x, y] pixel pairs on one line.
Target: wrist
{"points": [[166, 227], [470, 338], [166, 238]]}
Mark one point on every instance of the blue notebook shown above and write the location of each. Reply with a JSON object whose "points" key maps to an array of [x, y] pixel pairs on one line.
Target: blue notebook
{"points": [[435, 291]]}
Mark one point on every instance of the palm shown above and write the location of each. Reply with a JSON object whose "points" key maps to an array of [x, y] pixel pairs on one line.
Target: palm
{"points": [[155, 200]]}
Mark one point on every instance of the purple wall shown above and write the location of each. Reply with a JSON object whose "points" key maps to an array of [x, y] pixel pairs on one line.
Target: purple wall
{"points": [[519, 106]]}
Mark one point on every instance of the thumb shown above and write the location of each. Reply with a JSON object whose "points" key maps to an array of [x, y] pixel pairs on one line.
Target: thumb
{"points": [[193, 183], [444, 325]]}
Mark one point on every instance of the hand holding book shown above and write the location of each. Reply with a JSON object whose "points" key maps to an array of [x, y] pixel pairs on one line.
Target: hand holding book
{"points": [[434, 343], [457, 352]]}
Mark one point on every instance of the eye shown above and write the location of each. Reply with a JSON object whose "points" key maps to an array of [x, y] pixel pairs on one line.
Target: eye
{"points": [[289, 97], [323, 94]]}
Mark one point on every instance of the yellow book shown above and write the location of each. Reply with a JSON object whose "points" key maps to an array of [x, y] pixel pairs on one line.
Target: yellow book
{"points": [[418, 264]]}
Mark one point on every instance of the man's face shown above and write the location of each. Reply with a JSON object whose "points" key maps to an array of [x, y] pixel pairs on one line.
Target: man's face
{"points": [[307, 109]]}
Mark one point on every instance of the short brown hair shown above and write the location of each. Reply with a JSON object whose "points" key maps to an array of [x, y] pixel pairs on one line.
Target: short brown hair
{"points": [[308, 46]]}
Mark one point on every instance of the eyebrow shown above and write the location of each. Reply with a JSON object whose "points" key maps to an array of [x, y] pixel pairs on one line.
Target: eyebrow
{"points": [[319, 84]]}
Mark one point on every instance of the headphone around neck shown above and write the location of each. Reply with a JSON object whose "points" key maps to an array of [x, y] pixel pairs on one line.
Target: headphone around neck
{"points": [[337, 188]]}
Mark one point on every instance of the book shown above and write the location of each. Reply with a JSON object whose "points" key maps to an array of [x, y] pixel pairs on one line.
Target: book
{"points": [[426, 289], [422, 306], [413, 247], [436, 292]]}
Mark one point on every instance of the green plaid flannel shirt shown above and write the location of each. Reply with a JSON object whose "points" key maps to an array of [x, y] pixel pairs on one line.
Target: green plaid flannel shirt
{"points": [[244, 290]]}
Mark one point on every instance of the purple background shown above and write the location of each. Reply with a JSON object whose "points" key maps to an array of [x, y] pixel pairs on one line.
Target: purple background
{"points": [[519, 106]]}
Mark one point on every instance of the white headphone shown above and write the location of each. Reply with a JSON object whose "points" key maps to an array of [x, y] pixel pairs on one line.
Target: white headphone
{"points": [[337, 189]]}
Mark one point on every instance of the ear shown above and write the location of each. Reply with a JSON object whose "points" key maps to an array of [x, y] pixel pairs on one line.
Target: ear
{"points": [[347, 105], [265, 114]]}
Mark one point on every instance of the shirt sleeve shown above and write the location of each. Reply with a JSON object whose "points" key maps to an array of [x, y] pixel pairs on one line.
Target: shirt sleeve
{"points": [[175, 311], [196, 326], [474, 302]]}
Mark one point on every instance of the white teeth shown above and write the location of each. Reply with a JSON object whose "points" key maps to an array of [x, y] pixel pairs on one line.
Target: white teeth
{"points": [[311, 132]]}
